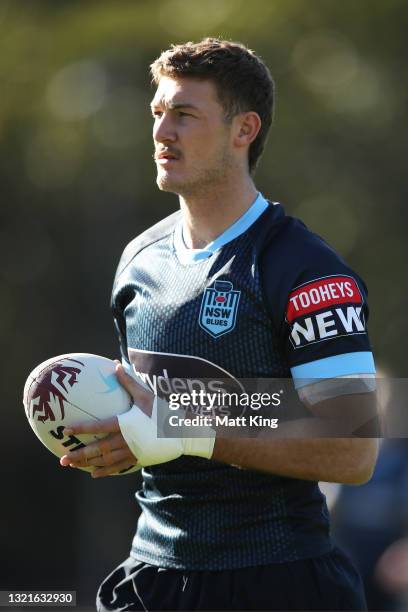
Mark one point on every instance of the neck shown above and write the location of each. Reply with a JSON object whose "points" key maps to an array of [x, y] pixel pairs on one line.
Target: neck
{"points": [[209, 214]]}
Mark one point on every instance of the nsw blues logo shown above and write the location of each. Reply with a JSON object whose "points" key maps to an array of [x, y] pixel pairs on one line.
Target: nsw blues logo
{"points": [[219, 307]]}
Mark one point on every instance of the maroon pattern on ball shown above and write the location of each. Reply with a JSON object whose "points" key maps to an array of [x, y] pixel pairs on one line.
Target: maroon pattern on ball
{"points": [[51, 382]]}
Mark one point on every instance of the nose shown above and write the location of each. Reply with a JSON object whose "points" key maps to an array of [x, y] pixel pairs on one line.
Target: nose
{"points": [[163, 129]]}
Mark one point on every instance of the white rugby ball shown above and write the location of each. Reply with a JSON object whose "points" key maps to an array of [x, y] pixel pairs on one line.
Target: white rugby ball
{"points": [[71, 389]]}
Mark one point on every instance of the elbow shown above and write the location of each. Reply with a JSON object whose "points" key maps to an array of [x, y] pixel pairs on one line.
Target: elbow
{"points": [[359, 477], [362, 467]]}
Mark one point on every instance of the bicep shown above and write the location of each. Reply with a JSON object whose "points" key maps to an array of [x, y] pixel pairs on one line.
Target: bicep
{"points": [[356, 413]]}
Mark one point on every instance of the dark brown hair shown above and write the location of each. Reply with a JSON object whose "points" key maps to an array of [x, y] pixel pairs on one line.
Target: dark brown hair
{"points": [[242, 80]]}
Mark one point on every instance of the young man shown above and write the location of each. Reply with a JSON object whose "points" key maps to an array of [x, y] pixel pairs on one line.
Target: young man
{"points": [[230, 524]]}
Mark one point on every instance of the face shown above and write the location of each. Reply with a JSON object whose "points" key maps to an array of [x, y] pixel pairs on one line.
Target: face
{"points": [[193, 149]]}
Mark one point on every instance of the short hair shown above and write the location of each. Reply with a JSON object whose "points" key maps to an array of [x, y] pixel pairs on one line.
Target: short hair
{"points": [[242, 80]]}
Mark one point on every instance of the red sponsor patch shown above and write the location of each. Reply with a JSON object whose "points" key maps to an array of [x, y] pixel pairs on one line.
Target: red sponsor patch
{"points": [[322, 293]]}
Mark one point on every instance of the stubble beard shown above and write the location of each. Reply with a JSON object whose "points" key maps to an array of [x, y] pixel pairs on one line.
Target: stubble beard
{"points": [[201, 180]]}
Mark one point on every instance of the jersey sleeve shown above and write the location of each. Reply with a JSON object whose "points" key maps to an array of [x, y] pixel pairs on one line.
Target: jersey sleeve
{"points": [[325, 325], [320, 310]]}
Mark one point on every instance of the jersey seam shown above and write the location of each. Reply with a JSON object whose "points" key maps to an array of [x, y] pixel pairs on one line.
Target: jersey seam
{"points": [[146, 246]]}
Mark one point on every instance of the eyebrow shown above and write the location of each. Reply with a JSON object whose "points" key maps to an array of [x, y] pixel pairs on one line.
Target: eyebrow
{"points": [[176, 106]]}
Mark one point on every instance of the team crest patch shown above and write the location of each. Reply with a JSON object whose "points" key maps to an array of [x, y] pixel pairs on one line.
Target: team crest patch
{"points": [[219, 307]]}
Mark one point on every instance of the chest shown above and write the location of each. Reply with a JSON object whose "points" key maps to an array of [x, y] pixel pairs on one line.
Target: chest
{"points": [[212, 310]]}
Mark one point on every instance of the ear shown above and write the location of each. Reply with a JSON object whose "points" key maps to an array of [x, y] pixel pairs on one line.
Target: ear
{"points": [[246, 128]]}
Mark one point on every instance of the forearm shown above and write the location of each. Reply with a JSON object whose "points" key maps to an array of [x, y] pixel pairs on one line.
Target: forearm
{"points": [[343, 460]]}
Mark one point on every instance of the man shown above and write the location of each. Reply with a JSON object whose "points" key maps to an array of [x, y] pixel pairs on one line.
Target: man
{"points": [[229, 523]]}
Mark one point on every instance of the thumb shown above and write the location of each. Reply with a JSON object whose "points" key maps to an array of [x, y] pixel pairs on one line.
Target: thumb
{"points": [[141, 397]]}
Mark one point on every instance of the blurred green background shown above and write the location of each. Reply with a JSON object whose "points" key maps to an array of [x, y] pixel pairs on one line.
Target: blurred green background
{"points": [[78, 182]]}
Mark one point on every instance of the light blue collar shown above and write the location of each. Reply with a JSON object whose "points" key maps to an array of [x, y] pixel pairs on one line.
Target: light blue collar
{"points": [[190, 256]]}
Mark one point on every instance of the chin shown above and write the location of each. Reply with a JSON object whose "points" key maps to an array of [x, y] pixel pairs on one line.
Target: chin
{"points": [[165, 183], [196, 183]]}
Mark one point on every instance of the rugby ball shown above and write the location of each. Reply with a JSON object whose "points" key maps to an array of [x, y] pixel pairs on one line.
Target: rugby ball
{"points": [[71, 389]]}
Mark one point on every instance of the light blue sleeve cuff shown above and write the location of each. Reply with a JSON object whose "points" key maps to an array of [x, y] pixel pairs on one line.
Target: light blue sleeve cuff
{"points": [[348, 364]]}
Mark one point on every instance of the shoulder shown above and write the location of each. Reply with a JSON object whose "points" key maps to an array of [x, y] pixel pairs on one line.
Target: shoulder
{"points": [[295, 257], [153, 234], [317, 303], [297, 248]]}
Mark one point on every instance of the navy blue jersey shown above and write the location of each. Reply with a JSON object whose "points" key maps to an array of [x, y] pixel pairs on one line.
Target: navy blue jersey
{"points": [[267, 299]]}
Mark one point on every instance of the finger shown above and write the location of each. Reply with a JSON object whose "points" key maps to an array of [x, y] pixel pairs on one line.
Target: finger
{"points": [[141, 397], [112, 469], [117, 456], [94, 427], [82, 457], [114, 441], [127, 381], [95, 449]]}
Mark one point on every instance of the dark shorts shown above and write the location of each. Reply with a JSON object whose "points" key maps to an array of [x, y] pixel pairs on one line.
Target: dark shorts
{"points": [[329, 582]]}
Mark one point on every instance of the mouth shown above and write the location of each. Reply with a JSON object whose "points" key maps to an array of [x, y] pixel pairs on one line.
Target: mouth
{"points": [[165, 161], [165, 158]]}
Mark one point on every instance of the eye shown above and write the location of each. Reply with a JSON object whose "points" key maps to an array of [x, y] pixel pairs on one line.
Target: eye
{"points": [[157, 114]]}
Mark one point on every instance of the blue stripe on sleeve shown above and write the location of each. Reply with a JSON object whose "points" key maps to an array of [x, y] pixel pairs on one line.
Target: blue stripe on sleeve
{"points": [[361, 362]]}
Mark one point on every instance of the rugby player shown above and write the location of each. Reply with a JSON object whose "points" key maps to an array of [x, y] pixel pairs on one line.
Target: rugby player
{"points": [[230, 523]]}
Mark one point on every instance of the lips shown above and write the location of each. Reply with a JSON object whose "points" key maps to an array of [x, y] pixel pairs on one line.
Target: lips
{"points": [[165, 161], [166, 156]]}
